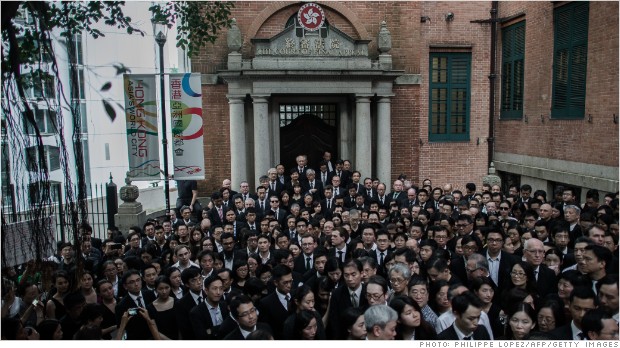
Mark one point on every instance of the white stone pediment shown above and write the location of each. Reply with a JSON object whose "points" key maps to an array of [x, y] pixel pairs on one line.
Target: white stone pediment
{"points": [[311, 52]]}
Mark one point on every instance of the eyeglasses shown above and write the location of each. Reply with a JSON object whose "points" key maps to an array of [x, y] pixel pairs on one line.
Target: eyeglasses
{"points": [[396, 281], [504, 208], [517, 274], [246, 313], [441, 237], [495, 240], [461, 225], [274, 201], [375, 297], [417, 292]]}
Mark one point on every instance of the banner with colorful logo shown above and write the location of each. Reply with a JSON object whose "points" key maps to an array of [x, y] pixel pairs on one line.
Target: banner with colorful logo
{"points": [[141, 120], [187, 132]]}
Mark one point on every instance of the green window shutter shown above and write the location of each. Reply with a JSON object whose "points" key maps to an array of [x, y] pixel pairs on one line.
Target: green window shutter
{"points": [[570, 60], [513, 55], [449, 102]]}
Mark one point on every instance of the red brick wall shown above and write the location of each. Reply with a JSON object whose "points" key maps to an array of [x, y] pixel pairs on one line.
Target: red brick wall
{"points": [[573, 140]]}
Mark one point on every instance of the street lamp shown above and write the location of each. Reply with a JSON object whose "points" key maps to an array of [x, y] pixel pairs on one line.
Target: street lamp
{"points": [[160, 29]]}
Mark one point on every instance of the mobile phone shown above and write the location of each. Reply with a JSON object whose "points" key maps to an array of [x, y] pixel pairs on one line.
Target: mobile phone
{"points": [[116, 246], [132, 311], [35, 302]]}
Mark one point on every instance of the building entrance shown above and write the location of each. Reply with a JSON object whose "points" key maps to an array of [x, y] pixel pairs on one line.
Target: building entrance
{"points": [[308, 129]]}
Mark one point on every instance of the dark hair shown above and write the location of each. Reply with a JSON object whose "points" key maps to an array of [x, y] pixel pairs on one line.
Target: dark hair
{"points": [[210, 279], [520, 307], [280, 271], [259, 335], [593, 320], [236, 302], [461, 302], [253, 286], [423, 332], [92, 311], [583, 292], [433, 290], [302, 320], [350, 316], [478, 282], [46, 329], [557, 308]]}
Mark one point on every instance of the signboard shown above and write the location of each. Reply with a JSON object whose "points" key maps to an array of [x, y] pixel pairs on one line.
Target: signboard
{"points": [[187, 130], [141, 121], [19, 244], [311, 17]]}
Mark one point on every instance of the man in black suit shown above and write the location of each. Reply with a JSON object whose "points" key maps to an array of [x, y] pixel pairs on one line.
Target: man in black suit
{"points": [[323, 174], [261, 201], [328, 203], [277, 306], [137, 328], [341, 173], [466, 308], [275, 186], [340, 249], [193, 281], [302, 167], [338, 190], [230, 254], [278, 213], [581, 300], [208, 316], [397, 194], [370, 193], [217, 213], [312, 185], [500, 262], [242, 310], [343, 297], [534, 253], [305, 261]]}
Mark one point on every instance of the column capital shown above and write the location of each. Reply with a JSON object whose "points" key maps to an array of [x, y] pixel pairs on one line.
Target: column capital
{"points": [[362, 98], [259, 98], [384, 98], [235, 99]]}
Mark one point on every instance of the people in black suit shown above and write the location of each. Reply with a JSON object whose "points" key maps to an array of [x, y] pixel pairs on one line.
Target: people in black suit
{"points": [[275, 186], [243, 311], [465, 307], [343, 297], [581, 300], [534, 253], [500, 262], [312, 185], [218, 212], [277, 306], [340, 249], [193, 281], [323, 174], [397, 194], [137, 328], [207, 317], [305, 261]]}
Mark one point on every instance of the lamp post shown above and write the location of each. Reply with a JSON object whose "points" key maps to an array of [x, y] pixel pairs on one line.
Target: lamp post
{"points": [[160, 29]]}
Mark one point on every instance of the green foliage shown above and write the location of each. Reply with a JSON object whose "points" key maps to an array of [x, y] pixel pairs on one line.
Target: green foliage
{"points": [[197, 22]]}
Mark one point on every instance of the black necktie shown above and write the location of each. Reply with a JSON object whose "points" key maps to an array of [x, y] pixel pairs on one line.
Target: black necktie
{"points": [[312, 185], [329, 203], [262, 205], [369, 193], [200, 299], [340, 255], [273, 186], [467, 338], [139, 300], [308, 263], [381, 259]]}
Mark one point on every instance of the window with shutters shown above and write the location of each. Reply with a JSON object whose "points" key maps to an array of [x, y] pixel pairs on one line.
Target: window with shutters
{"points": [[449, 96], [513, 54], [570, 58]]}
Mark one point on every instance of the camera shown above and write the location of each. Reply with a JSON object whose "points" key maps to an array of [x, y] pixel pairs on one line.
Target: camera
{"points": [[132, 311]]}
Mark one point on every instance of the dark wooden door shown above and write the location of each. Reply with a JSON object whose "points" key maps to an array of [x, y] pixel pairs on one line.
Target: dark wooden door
{"points": [[307, 135]]}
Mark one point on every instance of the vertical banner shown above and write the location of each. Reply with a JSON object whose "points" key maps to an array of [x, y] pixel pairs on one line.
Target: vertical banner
{"points": [[186, 119], [141, 120]]}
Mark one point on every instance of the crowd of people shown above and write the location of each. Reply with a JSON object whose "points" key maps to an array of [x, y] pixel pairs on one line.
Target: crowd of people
{"points": [[325, 254]]}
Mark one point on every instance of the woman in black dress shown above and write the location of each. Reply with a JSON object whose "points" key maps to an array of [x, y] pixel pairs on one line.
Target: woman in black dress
{"points": [[105, 296], [163, 309]]}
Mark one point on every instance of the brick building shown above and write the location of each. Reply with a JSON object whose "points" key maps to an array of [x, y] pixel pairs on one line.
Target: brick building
{"points": [[414, 95]]}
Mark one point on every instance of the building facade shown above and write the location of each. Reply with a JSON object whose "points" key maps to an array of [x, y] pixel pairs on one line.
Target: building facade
{"points": [[416, 100]]}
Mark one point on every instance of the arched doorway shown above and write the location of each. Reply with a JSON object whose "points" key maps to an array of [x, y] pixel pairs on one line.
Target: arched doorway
{"points": [[308, 134]]}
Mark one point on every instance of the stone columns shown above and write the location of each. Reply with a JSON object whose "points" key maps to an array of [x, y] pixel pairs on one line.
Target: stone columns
{"points": [[238, 157], [384, 142], [363, 139], [262, 153]]}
